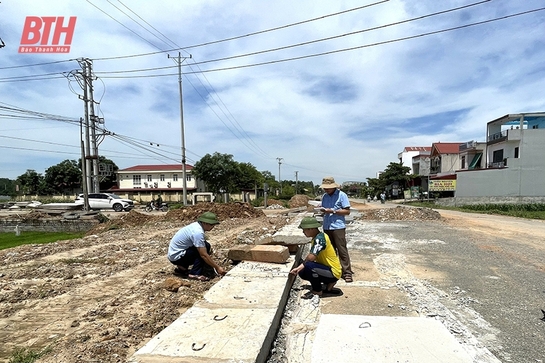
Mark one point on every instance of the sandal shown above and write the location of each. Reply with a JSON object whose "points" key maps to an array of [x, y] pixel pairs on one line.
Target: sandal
{"points": [[333, 291], [180, 271], [199, 278], [309, 295], [348, 278]]}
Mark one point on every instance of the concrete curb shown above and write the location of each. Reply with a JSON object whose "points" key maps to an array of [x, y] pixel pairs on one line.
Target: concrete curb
{"points": [[236, 321]]}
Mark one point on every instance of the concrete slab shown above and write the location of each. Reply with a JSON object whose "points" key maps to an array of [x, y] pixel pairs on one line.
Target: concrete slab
{"points": [[380, 339], [210, 335], [236, 321]]}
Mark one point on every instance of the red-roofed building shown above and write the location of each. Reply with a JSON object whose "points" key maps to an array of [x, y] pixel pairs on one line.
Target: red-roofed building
{"points": [[444, 159]]}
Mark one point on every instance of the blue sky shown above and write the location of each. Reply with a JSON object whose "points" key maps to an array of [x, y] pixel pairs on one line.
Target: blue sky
{"points": [[346, 114]]}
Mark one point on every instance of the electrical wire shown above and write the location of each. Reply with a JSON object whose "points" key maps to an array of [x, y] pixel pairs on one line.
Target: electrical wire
{"points": [[343, 49]]}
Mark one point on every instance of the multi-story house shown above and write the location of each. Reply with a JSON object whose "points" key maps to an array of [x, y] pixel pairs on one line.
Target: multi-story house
{"points": [[444, 161], [514, 168], [471, 155], [409, 152]]}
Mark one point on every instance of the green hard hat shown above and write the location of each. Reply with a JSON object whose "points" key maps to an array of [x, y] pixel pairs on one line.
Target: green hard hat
{"points": [[309, 222], [208, 217]]}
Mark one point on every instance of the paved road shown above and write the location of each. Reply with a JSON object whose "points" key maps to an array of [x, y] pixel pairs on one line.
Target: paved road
{"points": [[482, 276]]}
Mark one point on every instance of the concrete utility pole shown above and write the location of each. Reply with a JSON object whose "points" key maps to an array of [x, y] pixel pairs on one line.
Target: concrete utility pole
{"points": [[87, 140], [279, 179], [89, 158], [179, 61], [296, 181]]}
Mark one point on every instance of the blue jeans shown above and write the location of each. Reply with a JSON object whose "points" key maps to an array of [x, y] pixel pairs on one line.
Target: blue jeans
{"points": [[316, 274], [192, 257]]}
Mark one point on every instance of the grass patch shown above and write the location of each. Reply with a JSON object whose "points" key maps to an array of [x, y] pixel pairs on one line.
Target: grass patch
{"points": [[529, 211], [25, 355], [9, 240]]}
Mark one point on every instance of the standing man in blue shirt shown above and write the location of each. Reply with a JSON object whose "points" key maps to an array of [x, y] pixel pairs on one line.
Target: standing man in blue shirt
{"points": [[335, 206]]}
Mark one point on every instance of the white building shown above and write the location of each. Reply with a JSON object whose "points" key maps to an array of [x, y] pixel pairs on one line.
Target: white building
{"points": [[406, 156], [514, 169]]}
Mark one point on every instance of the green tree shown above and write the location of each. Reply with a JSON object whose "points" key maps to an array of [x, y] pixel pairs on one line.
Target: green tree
{"points": [[7, 187], [249, 177], [375, 186], [64, 177], [270, 179], [108, 181], [396, 172], [31, 183], [218, 171]]}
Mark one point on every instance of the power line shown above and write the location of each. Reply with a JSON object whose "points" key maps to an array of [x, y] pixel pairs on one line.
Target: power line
{"points": [[11, 79], [246, 35], [223, 109], [196, 45], [329, 52]]}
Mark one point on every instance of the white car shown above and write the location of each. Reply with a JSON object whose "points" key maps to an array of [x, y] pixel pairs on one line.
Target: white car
{"points": [[107, 201]]}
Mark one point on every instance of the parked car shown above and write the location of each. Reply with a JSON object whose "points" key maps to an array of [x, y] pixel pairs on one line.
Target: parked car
{"points": [[107, 201]]}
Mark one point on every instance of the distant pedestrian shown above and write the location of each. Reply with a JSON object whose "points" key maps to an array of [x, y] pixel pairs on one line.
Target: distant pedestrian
{"points": [[189, 247], [335, 206], [321, 266]]}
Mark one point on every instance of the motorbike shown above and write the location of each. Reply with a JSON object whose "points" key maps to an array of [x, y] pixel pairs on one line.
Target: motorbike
{"points": [[151, 206]]}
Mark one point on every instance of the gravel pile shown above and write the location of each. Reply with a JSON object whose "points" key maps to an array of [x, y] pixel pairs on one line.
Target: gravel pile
{"points": [[400, 213]]}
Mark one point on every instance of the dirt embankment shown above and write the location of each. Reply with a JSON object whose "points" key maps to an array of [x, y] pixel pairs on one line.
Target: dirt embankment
{"points": [[101, 297]]}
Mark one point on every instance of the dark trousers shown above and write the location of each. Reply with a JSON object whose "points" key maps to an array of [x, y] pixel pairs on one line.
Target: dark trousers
{"points": [[316, 274], [192, 257], [338, 240]]}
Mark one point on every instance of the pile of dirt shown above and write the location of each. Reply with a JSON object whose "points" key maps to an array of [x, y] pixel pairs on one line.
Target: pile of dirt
{"points": [[275, 202], [298, 200], [400, 213], [223, 211], [182, 216]]}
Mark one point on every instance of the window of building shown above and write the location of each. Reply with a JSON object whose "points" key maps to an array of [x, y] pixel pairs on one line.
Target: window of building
{"points": [[149, 177], [516, 152], [463, 162], [136, 180], [175, 177], [162, 177], [188, 177], [497, 156]]}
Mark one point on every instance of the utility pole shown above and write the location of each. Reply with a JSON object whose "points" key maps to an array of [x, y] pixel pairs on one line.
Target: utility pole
{"points": [[89, 158], [93, 120], [83, 169], [179, 61], [279, 179], [87, 140], [296, 181]]}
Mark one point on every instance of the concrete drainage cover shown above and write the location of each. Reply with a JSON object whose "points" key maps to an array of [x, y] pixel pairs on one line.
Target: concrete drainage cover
{"points": [[381, 339]]}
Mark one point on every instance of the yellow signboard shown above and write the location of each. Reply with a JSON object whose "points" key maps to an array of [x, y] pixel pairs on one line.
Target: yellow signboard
{"points": [[442, 185]]}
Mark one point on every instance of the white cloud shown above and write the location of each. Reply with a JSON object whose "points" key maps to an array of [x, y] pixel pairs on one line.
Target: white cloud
{"points": [[345, 114]]}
